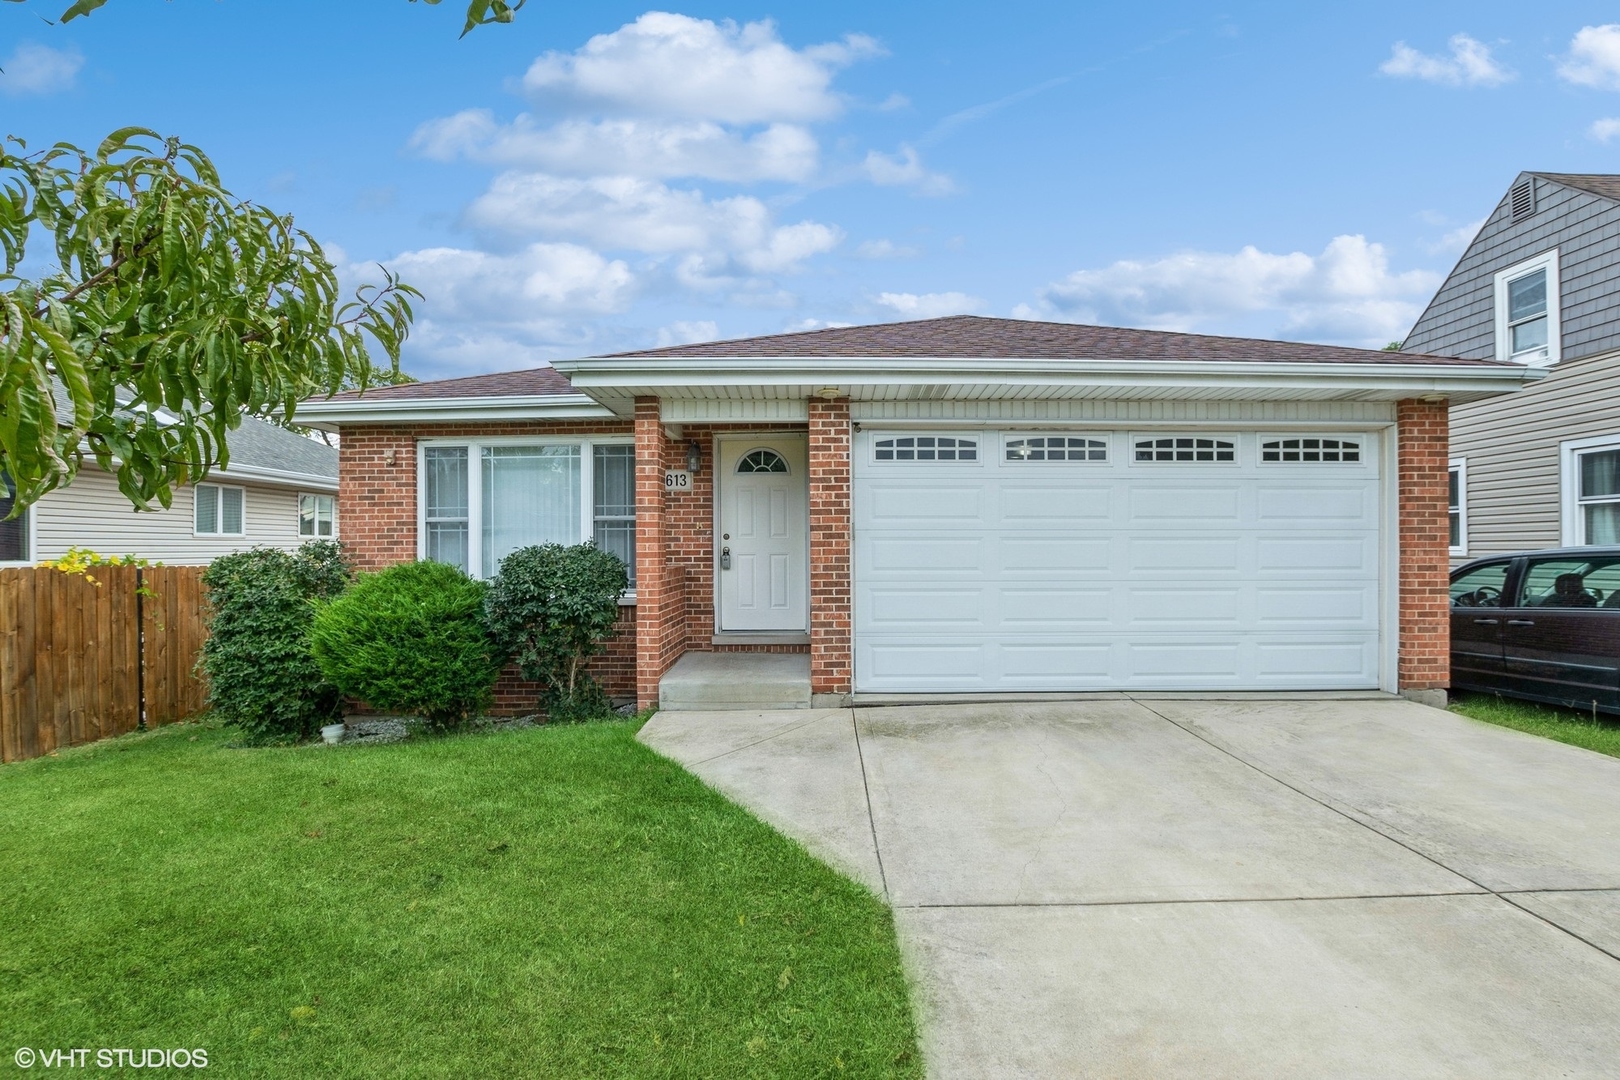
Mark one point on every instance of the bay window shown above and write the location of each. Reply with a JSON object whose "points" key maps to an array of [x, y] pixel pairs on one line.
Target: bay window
{"points": [[483, 499]]}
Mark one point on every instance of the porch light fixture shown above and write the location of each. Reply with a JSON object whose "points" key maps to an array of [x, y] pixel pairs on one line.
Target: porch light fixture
{"points": [[694, 457], [829, 393]]}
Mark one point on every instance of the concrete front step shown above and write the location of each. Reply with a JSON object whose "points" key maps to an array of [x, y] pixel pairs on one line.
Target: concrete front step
{"points": [[708, 681]]}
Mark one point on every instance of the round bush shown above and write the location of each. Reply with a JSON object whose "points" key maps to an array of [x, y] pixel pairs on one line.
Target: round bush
{"points": [[550, 608], [261, 675], [410, 639]]}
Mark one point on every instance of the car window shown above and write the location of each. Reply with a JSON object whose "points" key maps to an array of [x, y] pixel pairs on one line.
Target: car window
{"points": [[1480, 587], [1573, 582]]}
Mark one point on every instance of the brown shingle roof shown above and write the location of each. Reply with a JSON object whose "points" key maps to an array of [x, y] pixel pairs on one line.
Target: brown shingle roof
{"points": [[535, 382], [1604, 184], [974, 336]]}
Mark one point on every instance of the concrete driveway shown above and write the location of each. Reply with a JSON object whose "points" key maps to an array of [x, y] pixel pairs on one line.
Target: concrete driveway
{"points": [[1147, 887]]}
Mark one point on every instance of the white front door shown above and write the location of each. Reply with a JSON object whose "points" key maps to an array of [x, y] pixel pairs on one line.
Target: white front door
{"points": [[762, 557]]}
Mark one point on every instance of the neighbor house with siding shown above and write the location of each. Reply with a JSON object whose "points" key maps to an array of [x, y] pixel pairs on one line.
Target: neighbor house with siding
{"points": [[954, 506], [280, 490], [1540, 286]]}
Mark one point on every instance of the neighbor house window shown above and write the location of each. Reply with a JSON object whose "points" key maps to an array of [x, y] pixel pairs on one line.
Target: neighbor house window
{"points": [[481, 501], [1457, 505], [219, 510], [1591, 482], [1527, 311], [13, 532], [317, 516]]}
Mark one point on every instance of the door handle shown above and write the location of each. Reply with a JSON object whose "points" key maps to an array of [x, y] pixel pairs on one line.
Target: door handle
{"points": [[1521, 622], [725, 558], [1486, 622]]}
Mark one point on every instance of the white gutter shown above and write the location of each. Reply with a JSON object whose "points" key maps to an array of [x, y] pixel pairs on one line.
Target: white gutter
{"points": [[286, 477], [439, 410]]}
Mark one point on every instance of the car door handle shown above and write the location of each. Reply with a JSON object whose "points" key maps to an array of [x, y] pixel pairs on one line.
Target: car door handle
{"points": [[1521, 622], [1486, 622]]}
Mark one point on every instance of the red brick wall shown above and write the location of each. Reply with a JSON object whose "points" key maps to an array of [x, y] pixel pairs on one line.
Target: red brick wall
{"points": [[831, 630], [1422, 450], [652, 562], [377, 524]]}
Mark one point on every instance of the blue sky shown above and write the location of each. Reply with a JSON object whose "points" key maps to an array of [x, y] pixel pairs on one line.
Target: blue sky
{"points": [[603, 176]]}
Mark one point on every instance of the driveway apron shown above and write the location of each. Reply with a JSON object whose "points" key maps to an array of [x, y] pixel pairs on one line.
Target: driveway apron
{"points": [[1136, 887]]}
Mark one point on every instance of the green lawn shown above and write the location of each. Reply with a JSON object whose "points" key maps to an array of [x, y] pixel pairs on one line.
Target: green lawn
{"points": [[552, 902], [1548, 721]]}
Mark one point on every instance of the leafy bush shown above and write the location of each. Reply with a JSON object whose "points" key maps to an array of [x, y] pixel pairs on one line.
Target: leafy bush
{"points": [[551, 608], [410, 639], [261, 675]]}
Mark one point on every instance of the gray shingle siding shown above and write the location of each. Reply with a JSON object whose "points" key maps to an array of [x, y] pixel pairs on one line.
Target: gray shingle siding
{"points": [[1511, 443], [1585, 228]]}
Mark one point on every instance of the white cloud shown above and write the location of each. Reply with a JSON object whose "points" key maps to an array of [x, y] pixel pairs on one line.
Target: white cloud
{"points": [[1470, 64], [905, 169], [802, 325], [625, 147], [1604, 130], [1457, 239], [39, 69], [670, 65], [685, 333], [930, 305], [885, 249], [642, 215], [1594, 57], [1347, 293]]}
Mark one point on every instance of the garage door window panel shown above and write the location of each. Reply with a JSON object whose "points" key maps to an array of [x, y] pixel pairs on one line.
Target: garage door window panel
{"points": [[1186, 450], [1028, 448], [1314, 449], [940, 448]]}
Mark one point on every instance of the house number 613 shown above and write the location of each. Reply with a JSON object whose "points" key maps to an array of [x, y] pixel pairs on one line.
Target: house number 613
{"points": [[677, 480]]}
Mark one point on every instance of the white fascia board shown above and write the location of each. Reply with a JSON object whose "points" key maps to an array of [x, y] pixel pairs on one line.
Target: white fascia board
{"points": [[326, 414], [279, 477], [851, 374]]}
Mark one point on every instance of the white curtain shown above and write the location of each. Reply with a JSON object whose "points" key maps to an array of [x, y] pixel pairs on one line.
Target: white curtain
{"points": [[1600, 476], [531, 496]]}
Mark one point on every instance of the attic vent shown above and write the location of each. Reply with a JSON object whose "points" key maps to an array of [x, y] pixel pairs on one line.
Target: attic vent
{"points": [[1523, 198]]}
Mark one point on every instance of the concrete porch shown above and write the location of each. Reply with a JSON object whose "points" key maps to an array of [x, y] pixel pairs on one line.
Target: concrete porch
{"points": [[711, 681]]}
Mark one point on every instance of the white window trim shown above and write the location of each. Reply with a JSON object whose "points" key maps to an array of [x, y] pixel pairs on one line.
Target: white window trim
{"points": [[218, 510], [1504, 342], [1569, 451], [475, 487], [33, 542], [1460, 467], [298, 516]]}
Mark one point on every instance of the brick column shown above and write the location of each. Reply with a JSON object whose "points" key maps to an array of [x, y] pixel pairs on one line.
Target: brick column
{"points": [[376, 503], [651, 556], [831, 610], [1423, 455]]}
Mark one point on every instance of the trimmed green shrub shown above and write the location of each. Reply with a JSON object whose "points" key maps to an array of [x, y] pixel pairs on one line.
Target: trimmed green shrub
{"points": [[261, 675], [551, 608], [410, 639]]}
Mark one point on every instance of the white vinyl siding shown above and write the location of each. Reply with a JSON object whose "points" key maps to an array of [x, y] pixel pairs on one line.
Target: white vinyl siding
{"points": [[91, 512], [1515, 500]]}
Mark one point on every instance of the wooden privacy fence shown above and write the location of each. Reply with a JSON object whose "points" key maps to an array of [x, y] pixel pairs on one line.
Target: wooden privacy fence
{"points": [[88, 656]]}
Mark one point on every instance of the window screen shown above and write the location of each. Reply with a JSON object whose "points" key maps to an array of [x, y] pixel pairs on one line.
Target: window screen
{"points": [[613, 502]]}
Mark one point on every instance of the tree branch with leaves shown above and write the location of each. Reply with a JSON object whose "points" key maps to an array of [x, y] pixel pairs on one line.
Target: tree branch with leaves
{"points": [[479, 12], [166, 312]]}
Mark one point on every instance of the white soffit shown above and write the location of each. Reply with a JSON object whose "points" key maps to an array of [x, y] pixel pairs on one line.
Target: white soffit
{"points": [[327, 415]]}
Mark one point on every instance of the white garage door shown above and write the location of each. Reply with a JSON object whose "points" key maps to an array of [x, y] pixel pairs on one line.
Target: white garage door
{"points": [[1019, 560]]}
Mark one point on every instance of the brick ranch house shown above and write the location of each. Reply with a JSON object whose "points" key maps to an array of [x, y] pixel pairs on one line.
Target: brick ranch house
{"points": [[958, 505]]}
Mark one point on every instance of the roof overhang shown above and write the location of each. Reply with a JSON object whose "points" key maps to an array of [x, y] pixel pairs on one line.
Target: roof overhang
{"points": [[328, 415], [276, 477], [616, 382]]}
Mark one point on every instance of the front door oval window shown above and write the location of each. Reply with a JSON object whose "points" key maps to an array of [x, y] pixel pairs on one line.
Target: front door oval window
{"points": [[762, 461]]}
